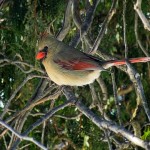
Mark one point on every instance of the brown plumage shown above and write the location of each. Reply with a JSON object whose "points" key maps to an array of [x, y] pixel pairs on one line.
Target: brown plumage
{"points": [[68, 66]]}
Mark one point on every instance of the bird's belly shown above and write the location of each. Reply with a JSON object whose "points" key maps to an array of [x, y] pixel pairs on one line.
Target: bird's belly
{"points": [[71, 77], [75, 78]]}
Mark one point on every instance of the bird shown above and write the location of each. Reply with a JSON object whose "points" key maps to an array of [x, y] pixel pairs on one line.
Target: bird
{"points": [[66, 65]]}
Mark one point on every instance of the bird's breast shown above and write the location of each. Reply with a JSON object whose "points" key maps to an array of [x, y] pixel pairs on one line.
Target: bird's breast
{"points": [[62, 76]]}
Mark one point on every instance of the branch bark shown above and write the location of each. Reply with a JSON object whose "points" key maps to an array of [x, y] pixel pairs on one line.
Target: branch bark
{"points": [[101, 123], [144, 20]]}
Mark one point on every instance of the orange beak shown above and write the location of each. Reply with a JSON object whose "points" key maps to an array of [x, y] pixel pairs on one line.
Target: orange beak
{"points": [[40, 55]]}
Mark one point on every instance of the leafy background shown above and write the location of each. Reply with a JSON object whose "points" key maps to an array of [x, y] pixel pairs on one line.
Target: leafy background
{"points": [[21, 23]]}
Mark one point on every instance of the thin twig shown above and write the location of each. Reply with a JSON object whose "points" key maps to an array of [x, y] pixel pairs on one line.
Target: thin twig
{"points": [[19, 64], [94, 96], [137, 36], [115, 97], [29, 77], [108, 139], [124, 29], [75, 13], [22, 137], [44, 118], [43, 132], [31, 105], [25, 146], [5, 143], [103, 88], [97, 102], [69, 117], [78, 21], [104, 26], [23, 114], [86, 24]]}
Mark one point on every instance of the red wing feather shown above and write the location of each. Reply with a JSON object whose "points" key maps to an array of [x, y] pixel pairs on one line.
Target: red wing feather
{"points": [[83, 66], [76, 65]]}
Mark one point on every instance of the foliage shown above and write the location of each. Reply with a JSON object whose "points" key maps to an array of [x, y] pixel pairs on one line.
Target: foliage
{"points": [[21, 23]]}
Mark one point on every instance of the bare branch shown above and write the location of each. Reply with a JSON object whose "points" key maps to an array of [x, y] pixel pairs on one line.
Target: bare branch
{"points": [[135, 78], [124, 29], [86, 24], [19, 64], [101, 123], [103, 88], [6, 147], [78, 22], [47, 92], [137, 36], [124, 91], [33, 104], [104, 26], [144, 20], [22, 137], [25, 146], [108, 139], [75, 13], [96, 102], [69, 117], [94, 96], [29, 77], [66, 24], [44, 118], [115, 96], [43, 132]]}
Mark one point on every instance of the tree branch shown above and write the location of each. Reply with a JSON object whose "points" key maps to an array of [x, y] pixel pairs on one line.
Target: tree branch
{"points": [[124, 29], [144, 20], [21, 65], [135, 78], [115, 97], [29, 77], [101, 123], [66, 23], [86, 24], [137, 36], [104, 26], [41, 120], [22, 137]]}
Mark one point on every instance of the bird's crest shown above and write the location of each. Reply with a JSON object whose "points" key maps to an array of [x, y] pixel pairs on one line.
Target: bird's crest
{"points": [[43, 35]]}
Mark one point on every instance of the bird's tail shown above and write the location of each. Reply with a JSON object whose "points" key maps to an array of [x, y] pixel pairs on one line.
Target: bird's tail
{"points": [[111, 63]]}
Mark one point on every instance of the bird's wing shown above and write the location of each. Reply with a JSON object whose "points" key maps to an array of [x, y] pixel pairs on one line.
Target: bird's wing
{"points": [[76, 60]]}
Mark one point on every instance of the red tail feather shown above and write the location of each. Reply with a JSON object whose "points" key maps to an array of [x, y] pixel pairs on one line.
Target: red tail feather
{"points": [[123, 62]]}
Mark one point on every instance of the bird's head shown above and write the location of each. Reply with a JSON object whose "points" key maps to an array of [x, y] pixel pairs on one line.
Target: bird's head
{"points": [[46, 47]]}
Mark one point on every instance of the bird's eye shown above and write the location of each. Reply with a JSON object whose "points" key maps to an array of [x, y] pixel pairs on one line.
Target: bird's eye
{"points": [[45, 49]]}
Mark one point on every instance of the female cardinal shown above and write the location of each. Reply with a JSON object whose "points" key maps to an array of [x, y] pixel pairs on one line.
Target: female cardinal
{"points": [[68, 66]]}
